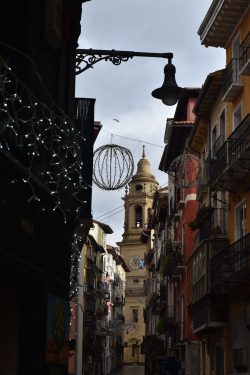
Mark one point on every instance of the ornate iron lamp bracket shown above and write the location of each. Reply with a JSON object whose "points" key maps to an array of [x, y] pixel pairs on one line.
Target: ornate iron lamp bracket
{"points": [[92, 56]]}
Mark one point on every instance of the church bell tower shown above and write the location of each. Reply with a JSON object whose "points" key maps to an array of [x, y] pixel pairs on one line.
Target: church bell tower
{"points": [[138, 202]]}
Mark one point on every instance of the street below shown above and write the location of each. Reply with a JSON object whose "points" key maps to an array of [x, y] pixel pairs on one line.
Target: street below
{"points": [[130, 370]]}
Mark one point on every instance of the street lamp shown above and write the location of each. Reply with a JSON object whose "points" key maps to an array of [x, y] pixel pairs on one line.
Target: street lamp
{"points": [[169, 92]]}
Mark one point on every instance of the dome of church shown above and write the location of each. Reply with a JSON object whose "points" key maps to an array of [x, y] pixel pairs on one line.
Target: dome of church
{"points": [[143, 170]]}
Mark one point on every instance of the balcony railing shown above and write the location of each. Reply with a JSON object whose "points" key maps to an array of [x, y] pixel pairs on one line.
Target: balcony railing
{"points": [[215, 226], [178, 334], [232, 158], [89, 290], [176, 266], [210, 313], [206, 250], [217, 145], [231, 86], [201, 186], [100, 287], [244, 66], [231, 267], [169, 312]]}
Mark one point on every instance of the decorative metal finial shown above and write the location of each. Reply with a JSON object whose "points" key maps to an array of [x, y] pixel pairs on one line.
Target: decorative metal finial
{"points": [[143, 152]]}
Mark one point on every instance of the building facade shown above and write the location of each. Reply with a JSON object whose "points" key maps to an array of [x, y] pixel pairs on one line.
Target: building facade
{"points": [[223, 144], [41, 187]]}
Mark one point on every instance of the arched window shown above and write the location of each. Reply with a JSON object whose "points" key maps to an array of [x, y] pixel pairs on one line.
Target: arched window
{"points": [[138, 187], [138, 216], [149, 213]]}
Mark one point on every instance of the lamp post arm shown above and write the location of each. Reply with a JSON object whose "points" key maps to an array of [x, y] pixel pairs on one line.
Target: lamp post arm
{"points": [[92, 56]]}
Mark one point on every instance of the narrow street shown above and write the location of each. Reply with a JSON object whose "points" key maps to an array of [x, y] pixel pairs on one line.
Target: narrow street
{"points": [[130, 370]]}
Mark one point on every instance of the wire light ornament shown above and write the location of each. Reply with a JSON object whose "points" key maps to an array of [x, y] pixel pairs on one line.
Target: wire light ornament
{"points": [[184, 170], [113, 167]]}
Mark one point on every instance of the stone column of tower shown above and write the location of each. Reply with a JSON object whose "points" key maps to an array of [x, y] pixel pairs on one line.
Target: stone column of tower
{"points": [[138, 203]]}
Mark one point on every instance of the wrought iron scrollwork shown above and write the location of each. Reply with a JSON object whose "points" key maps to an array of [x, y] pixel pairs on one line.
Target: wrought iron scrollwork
{"points": [[91, 59]]}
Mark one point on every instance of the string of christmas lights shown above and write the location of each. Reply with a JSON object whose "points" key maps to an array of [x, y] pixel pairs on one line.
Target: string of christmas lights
{"points": [[45, 144], [46, 147]]}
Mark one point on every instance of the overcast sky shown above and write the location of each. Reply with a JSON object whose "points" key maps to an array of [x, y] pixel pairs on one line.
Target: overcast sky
{"points": [[124, 92]]}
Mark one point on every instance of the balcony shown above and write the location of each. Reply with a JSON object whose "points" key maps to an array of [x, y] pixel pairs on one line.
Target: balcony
{"points": [[177, 216], [137, 291], [207, 249], [232, 86], [210, 314], [173, 265], [180, 205], [230, 269], [215, 225], [169, 310], [201, 186], [100, 287], [156, 305], [102, 310], [244, 66], [232, 161], [89, 290], [178, 334]]}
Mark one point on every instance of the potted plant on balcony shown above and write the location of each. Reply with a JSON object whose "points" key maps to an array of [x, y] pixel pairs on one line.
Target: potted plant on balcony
{"points": [[150, 267], [165, 264], [161, 326], [203, 214]]}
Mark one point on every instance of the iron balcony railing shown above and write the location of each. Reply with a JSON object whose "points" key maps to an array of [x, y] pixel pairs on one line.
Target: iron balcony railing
{"points": [[89, 290], [201, 186], [210, 312], [230, 268], [231, 75], [244, 51], [218, 144], [100, 286], [232, 149], [215, 226], [178, 334], [169, 312], [200, 314]]}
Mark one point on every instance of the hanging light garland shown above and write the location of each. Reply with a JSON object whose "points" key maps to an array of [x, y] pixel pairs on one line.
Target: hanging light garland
{"points": [[43, 144]]}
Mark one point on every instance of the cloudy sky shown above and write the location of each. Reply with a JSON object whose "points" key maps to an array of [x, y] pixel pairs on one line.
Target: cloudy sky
{"points": [[124, 92]]}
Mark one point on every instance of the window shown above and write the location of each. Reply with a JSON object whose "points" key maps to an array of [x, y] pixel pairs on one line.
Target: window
{"points": [[149, 213], [240, 217], [240, 359], [214, 135], [138, 187], [138, 216], [222, 124], [136, 281], [235, 56], [237, 117], [236, 47], [183, 239], [135, 314], [135, 350]]}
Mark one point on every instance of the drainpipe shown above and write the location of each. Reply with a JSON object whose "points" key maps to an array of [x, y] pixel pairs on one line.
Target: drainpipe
{"points": [[80, 310]]}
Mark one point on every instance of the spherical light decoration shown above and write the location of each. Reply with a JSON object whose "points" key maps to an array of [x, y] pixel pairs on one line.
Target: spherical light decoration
{"points": [[184, 170], [113, 167]]}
